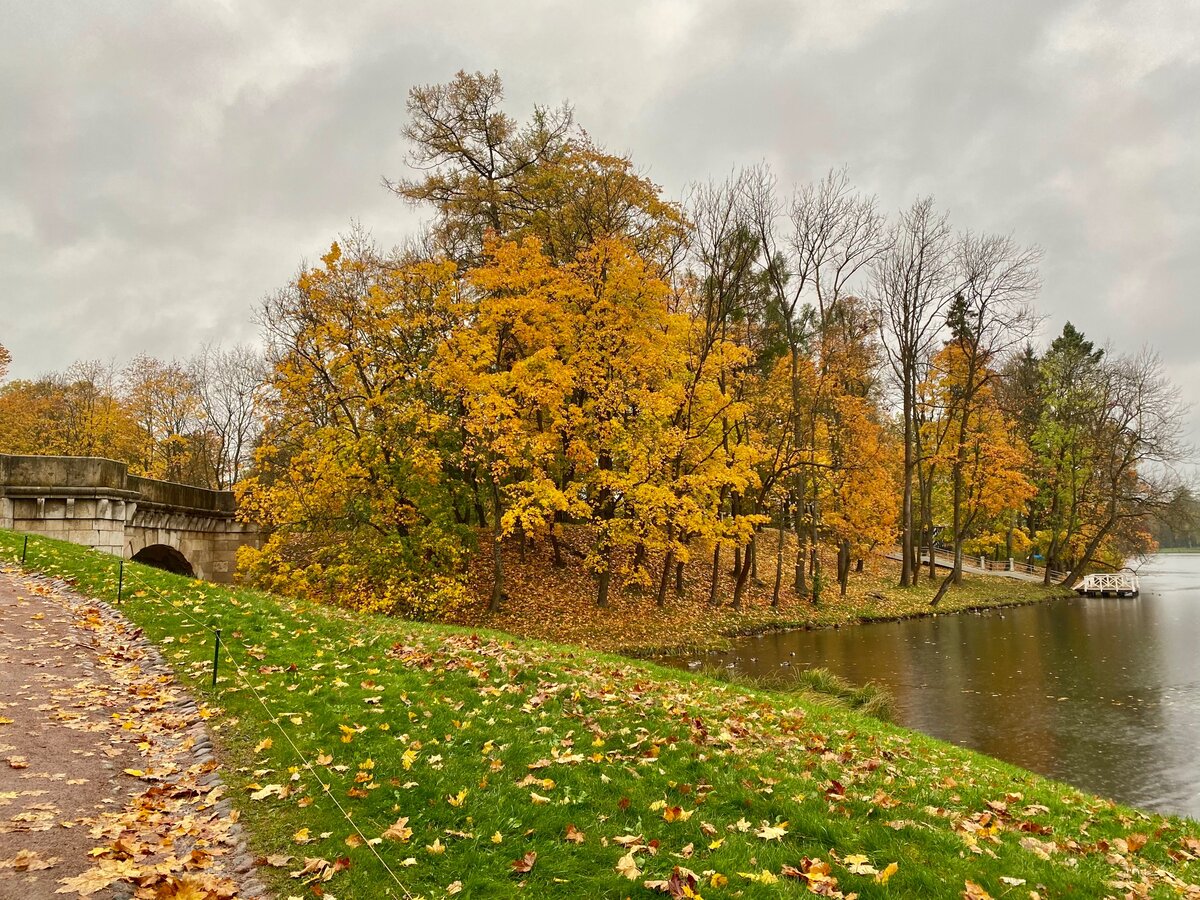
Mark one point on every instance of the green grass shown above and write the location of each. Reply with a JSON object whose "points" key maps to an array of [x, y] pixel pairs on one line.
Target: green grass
{"points": [[625, 741]]}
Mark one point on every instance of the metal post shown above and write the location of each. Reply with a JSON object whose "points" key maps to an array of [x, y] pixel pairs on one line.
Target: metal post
{"points": [[216, 656], [120, 579], [24, 549]]}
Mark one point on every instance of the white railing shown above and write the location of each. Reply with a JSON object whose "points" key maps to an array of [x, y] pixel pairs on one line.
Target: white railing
{"points": [[1116, 582], [983, 564]]}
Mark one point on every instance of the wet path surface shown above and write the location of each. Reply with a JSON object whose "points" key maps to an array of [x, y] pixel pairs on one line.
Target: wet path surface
{"points": [[102, 790]]}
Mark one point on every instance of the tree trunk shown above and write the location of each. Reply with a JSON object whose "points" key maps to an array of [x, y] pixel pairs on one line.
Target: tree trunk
{"points": [[778, 557], [602, 585], [743, 575], [554, 545], [800, 584], [665, 580], [942, 588], [478, 503], [907, 576], [844, 566], [927, 515], [497, 559], [956, 571], [815, 557], [1052, 550], [1086, 558], [716, 575], [679, 578]]}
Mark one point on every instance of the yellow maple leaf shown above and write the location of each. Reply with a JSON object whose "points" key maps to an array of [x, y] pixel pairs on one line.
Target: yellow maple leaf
{"points": [[399, 830], [627, 866]]}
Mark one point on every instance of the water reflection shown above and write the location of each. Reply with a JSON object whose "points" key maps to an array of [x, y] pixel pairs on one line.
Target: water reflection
{"points": [[1101, 693]]}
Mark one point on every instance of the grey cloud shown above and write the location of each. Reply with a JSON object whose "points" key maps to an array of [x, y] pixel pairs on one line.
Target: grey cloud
{"points": [[162, 166]]}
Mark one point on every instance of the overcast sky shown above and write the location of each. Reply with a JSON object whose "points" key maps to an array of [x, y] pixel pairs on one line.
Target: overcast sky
{"points": [[164, 165]]}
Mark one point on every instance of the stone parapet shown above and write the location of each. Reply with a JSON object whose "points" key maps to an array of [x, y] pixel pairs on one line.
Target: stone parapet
{"points": [[97, 503]]}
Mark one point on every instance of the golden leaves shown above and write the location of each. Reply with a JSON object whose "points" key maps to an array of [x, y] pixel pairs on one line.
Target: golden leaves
{"points": [[627, 867], [399, 831], [28, 861], [770, 832], [270, 790]]}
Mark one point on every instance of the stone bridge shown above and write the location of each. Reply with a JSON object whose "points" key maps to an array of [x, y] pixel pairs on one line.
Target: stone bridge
{"points": [[96, 502]]}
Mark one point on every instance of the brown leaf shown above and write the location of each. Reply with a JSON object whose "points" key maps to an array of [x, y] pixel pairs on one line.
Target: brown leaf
{"points": [[525, 863]]}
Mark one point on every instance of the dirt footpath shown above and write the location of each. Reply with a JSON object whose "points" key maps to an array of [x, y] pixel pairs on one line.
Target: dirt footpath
{"points": [[108, 788]]}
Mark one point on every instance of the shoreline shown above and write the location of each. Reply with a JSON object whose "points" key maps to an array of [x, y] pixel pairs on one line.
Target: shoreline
{"points": [[665, 651]]}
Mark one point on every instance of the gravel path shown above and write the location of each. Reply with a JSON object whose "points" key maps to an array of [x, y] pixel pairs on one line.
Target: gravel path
{"points": [[108, 787]]}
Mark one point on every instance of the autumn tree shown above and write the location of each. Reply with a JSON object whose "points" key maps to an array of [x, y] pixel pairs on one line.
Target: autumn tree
{"points": [[983, 465], [350, 477], [78, 412], [991, 314], [1138, 447], [165, 401], [814, 247], [721, 471], [479, 163], [508, 370], [483, 172], [620, 394], [1069, 394], [910, 286]]}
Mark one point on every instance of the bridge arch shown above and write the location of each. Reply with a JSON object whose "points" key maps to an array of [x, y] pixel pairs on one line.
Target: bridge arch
{"points": [[97, 503], [166, 557]]}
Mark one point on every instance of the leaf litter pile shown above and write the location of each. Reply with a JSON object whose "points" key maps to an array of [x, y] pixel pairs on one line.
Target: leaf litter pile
{"points": [[101, 790], [558, 603], [377, 758]]}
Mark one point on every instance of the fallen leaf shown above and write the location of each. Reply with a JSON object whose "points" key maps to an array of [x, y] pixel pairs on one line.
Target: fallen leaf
{"points": [[525, 863]]}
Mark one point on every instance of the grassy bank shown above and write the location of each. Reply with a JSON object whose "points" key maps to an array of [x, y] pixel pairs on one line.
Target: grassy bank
{"points": [[470, 763], [558, 604]]}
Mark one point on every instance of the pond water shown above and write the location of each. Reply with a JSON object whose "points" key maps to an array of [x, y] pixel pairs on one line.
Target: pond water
{"points": [[1101, 693]]}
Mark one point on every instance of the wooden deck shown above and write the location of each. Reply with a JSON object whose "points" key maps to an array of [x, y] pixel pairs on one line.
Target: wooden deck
{"points": [[1109, 584]]}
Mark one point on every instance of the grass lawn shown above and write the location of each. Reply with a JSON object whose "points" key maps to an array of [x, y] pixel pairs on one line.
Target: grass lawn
{"points": [[479, 765]]}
